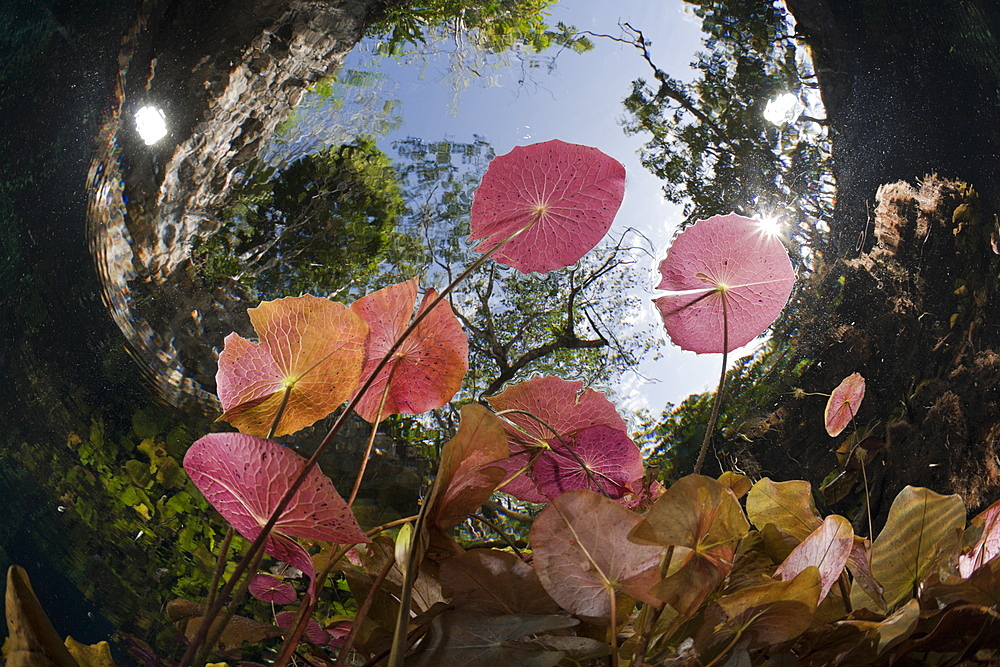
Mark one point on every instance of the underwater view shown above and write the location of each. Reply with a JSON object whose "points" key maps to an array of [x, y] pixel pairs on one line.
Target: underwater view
{"points": [[512, 332]]}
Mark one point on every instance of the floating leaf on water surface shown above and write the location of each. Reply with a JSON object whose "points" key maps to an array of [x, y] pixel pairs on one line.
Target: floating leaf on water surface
{"points": [[428, 368], [725, 258], [844, 403], [561, 404], [269, 588], [582, 554], [465, 639], [826, 548], [494, 582], [922, 530], [244, 478], [311, 345], [564, 196], [787, 505]]}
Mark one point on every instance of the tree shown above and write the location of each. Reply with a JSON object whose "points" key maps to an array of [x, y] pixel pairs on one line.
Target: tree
{"points": [[324, 225], [477, 36], [710, 141]]}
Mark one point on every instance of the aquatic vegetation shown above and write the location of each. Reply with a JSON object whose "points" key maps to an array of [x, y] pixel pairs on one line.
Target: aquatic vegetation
{"points": [[427, 371], [245, 477], [701, 577], [560, 199], [843, 404], [728, 277], [307, 362]]}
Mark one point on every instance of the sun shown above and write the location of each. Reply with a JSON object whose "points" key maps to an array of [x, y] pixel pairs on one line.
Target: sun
{"points": [[769, 226]]}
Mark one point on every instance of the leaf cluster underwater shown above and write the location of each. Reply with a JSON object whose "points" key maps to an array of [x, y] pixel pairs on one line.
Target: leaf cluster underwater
{"points": [[616, 569]]}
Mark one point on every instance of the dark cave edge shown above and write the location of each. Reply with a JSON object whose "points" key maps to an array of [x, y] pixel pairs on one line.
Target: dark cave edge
{"points": [[907, 296]]}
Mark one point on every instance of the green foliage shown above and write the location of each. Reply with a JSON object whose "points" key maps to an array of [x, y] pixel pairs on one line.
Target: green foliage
{"points": [[326, 225], [476, 38], [750, 384], [709, 140], [494, 25], [336, 110]]}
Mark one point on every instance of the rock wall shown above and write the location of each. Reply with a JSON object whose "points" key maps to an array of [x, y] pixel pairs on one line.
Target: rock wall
{"points": [[919, 317], [225, 76]]}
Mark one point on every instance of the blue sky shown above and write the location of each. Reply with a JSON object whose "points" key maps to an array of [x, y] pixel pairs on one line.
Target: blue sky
{"points": [[578, 101]]}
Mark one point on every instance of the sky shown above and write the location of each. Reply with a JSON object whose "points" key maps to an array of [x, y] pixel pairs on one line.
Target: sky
{"points": [[578, 101]]}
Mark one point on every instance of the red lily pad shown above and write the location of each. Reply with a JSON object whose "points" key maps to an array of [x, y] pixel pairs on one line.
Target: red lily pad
{"points": [[269, 588], [312, 346], [724, 272], [844, 403], [564, 196], [428, 368], [606, 461], [561, 404], [582, 554], [244, 477], [314, 631]]}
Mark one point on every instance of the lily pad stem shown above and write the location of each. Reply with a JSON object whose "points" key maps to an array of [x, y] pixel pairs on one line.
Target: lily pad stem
{"points": [[722, 385]]}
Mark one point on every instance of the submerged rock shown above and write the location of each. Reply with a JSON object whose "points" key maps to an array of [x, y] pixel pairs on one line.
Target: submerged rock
{"points": [[918, 316]]}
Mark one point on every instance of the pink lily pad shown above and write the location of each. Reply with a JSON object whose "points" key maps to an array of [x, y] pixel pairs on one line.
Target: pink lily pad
{"points": [[608, 455], [311, 346], [723, 273], [314, 631], [244, 478], [427, 370], [565, 406], [564, 196], [582, 554], [987, 546], [844, 403], [827, 548], [269, 588]]}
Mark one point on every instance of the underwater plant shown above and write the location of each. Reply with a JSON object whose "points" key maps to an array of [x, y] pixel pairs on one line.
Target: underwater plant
{"points": [[728, 278], [617, 569]]}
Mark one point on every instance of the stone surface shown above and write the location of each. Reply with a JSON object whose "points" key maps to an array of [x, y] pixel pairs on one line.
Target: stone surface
{"points": [[225, 78]]}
